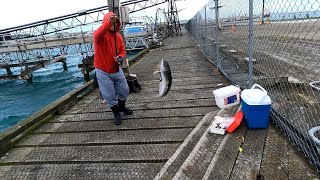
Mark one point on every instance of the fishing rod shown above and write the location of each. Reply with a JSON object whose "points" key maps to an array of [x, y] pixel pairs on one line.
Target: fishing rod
{"points": [[119, 59], [115, 33]]}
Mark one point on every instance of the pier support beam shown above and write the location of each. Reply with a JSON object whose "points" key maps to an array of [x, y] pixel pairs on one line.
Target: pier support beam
{"points": [[86, 73], [9, 72], [87, 67], [29, 81], [29, 78], [27, 75], [64, 64]]}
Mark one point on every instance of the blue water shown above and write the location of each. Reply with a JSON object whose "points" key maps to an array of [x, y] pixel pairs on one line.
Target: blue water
{"points": [[18, 99], [294, 15]]}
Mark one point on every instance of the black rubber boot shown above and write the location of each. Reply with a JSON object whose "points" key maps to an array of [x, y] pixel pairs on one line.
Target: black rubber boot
{"points": [[122, 107], [117, 117]]}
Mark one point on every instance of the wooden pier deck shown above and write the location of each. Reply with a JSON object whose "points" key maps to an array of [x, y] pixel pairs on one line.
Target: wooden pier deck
{"points": [[165, 138]]}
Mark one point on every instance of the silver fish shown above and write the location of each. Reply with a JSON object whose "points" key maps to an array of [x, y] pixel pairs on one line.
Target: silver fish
{"points": [[165, 78]]}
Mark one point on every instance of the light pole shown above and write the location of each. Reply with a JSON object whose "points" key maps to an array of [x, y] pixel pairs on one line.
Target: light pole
{"points": [[114, 6]]}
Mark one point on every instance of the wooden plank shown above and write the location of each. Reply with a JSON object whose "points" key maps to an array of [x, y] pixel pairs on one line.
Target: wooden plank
{"points": [[132, 124], [102, 153], [85, 170], [182, 81], [275, 158], [247, 165], [281, 160], [108, 137], [99, 107], [223, 162], [153, 113], [181, 156]]}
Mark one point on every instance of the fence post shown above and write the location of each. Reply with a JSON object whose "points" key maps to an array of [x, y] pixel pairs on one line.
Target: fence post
{"points": [[205, 29], [262, 16], [217, 33], [250, 42]]}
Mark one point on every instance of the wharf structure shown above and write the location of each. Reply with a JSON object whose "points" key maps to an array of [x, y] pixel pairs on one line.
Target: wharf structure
{"points": [[168, 138], [165, 138], [33, 46]]}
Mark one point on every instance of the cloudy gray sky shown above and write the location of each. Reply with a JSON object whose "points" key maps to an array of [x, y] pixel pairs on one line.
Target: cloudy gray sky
{"points": [[19, 12]]}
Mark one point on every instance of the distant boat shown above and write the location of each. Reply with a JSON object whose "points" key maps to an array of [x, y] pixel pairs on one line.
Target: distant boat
{"points": [[136, 28]]}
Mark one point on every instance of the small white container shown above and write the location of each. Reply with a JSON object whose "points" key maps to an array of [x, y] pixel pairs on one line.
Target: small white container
{"points": [[227, 96]]}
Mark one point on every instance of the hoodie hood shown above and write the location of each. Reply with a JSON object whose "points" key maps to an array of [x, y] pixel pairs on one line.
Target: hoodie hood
{"points": [[106, 18]]}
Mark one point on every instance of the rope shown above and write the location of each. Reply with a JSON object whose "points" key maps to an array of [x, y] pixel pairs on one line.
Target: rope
{"points": [[312, 84], [311, 133]]}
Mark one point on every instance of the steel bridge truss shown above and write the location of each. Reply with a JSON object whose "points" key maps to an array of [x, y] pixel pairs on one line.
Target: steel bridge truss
{"points": [[173, 19], [137, 43], [63, 31], [71, 21], [28, 46]]}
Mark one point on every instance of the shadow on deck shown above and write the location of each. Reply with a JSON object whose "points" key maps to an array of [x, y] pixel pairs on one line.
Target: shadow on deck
{"points": [[165, 138]]}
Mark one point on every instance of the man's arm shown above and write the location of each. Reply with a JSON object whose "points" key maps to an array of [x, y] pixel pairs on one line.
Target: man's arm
{"points": [[104, 28]]}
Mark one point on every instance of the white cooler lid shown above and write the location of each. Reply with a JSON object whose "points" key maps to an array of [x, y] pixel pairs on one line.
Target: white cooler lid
{"points": [[255, 97], [226, 91]]}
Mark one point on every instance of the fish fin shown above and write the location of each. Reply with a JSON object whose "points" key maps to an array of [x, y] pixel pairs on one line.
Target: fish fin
{"points": [[155, 72]]}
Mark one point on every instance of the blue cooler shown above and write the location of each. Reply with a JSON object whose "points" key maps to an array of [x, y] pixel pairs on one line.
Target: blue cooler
{"points": [[256, 104]]}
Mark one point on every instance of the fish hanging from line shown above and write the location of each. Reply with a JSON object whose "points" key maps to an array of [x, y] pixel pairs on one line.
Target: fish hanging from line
{"points": [[165, 78]]}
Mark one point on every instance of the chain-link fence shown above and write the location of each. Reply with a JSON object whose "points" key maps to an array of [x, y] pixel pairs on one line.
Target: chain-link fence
{"points": [[274, 43]]}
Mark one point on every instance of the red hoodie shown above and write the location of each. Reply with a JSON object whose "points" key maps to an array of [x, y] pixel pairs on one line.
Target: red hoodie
{"points": [[104, 46]]}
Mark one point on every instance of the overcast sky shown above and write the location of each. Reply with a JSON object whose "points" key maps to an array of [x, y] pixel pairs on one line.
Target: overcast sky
{"points": [[19, 12]]}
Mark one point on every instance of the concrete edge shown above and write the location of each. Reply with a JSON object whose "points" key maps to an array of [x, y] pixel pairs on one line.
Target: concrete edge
{"points": [[137, 57], [15, 133]]}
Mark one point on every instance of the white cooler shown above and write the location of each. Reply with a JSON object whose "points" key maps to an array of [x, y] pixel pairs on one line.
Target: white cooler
{"points": [[227, 96]]}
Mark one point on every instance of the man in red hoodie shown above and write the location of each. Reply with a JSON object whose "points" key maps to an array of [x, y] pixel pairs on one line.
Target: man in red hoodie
{"points": [[109, 52]]}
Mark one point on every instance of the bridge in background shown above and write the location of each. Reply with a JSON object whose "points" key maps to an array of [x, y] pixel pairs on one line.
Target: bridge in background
{"points": [[33, 46]]}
